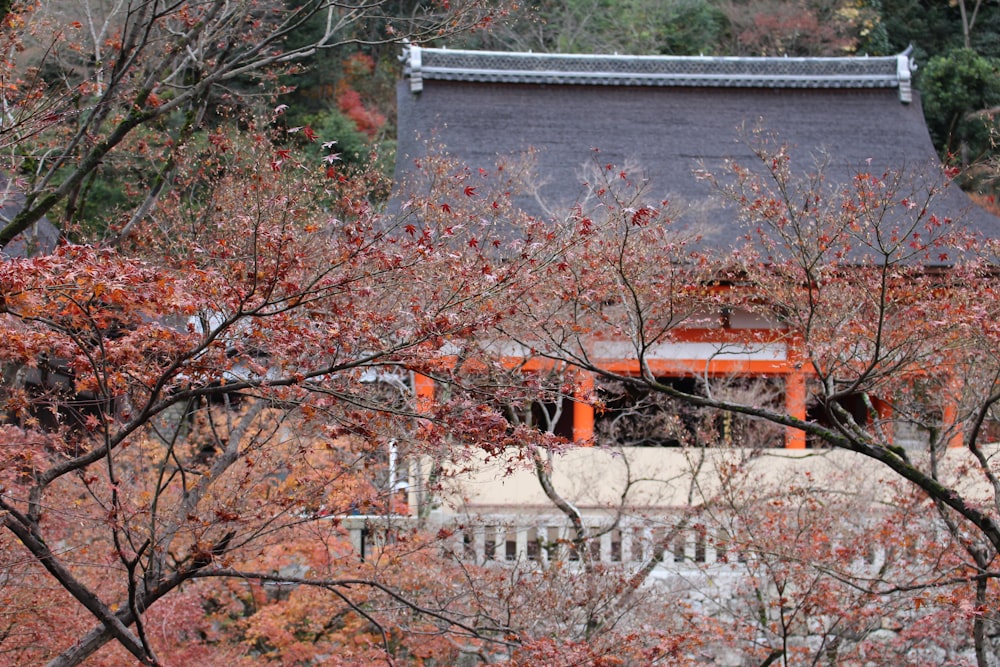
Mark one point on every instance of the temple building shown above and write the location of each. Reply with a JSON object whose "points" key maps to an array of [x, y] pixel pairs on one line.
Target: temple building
{"points": [[669, 118]]}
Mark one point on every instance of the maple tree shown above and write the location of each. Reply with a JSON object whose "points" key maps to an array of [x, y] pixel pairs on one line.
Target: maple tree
{"points": [[888, 304], [224, 396], [103, 92], [775, 556], [803, 28], [189, 409], [841, 568], [183, 399], [196, 408]]}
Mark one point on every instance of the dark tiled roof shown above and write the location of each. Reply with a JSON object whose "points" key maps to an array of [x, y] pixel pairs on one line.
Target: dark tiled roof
{"points": [[42, 237], [667, 131], [39, 239]]}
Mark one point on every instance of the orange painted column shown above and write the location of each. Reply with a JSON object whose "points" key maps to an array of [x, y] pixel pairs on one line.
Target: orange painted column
{"points": [[417, 494], [949, 411], [795, 405], [423, 390], [883, 410], [583, 411], [795, 393]]}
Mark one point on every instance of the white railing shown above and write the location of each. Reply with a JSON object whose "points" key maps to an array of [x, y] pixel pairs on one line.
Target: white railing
{"points": [[542, 540], [682, 547], [489, 539]]}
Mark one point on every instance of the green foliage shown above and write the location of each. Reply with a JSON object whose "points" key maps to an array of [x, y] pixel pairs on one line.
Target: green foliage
{"points": [[103, 197], [956, 87], [678, 27], [118, 184], [642, 27], [935, 27], [691, 27], [873, 35], [332, 125], [932, 27], [955, 82], [314, 84]]}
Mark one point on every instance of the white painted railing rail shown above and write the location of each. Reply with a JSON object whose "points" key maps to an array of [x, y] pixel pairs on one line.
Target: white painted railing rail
{"points": [[488, 539]]}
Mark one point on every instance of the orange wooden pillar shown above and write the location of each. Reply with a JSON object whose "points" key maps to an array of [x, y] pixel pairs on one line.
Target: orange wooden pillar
{"points": [[883, 412], [423, 392], [583, 411], [417, 494], [795, 406], [949, 411]]}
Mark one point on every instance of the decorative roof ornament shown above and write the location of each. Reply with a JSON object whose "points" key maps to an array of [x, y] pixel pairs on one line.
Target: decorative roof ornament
{"points": [[904, 69], [615, 70], [412, 67]]}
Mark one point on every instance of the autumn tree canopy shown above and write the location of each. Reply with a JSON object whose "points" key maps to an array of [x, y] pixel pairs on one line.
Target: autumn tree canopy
{"points": [[215, 369], [887, 302], [99, 93], [189, 394]]}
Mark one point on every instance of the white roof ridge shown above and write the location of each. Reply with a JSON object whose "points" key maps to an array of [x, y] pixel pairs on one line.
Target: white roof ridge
{"points": [[624, 70]]}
